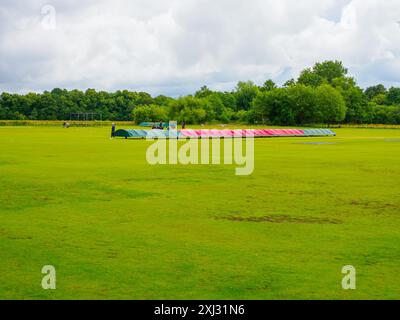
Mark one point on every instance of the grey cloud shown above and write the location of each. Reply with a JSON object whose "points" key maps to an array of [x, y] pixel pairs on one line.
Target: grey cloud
{"points": [[173, 47]]}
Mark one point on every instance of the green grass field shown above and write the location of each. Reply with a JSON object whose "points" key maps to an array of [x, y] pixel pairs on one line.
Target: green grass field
{"points": [[117, 228]]}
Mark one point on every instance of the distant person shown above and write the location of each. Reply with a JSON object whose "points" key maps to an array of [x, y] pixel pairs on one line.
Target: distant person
{"points": [[183, 124], [112, 130], [161, 126]]}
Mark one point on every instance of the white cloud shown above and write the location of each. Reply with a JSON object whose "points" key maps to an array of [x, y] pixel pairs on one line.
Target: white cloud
{"points": [[173, 47]]}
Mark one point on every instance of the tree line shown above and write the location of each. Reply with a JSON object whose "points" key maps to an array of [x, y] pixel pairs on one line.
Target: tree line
{"points": [[323, 94]]}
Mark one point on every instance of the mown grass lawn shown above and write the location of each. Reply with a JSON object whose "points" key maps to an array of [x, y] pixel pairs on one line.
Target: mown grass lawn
{"points": [[117, 228]]}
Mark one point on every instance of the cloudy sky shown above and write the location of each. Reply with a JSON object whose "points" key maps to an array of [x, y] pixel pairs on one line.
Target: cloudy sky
{"points": [[175, 46]]}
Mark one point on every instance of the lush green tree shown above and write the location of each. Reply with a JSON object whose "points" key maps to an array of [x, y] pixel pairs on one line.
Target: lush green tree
{"points": [[344, 83], [215, 108], [379, 99], [268, 85], [47, 107], [162, 100], [309, 78], [12, 106], [300, 104], [274, 107], [303, 100], [228, 99], [381, 114], [322, 73], [245, 93], [356, 103], [188, 109], [330, 70], [204, 92], [149, 113], [354, 97], [393, 96], [34, 114], [372, 92], [289, 83], [244, 116], [331, 104]]}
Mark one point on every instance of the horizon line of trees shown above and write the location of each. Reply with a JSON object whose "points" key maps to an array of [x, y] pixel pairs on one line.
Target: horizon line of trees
{"points": [[323, 94]]}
